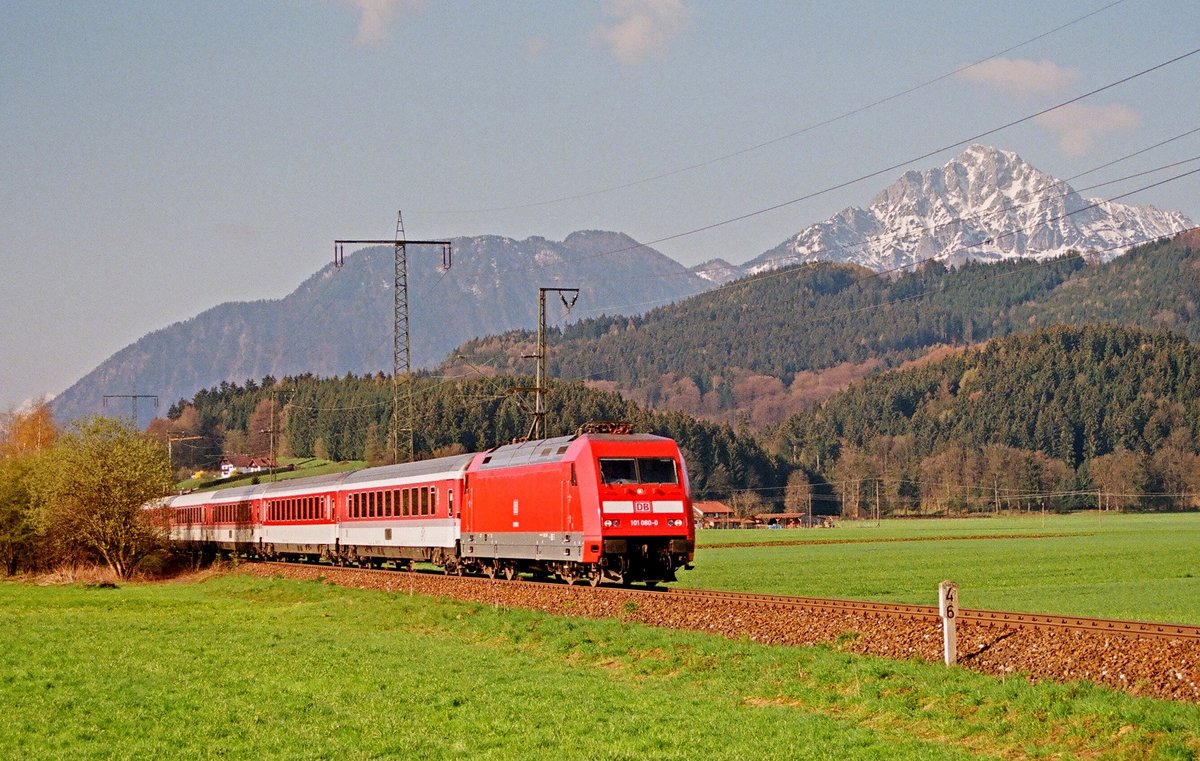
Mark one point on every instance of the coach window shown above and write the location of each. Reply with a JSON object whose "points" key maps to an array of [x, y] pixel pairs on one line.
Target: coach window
{"points": [[424, 500], [405, 494], [433, 500]]}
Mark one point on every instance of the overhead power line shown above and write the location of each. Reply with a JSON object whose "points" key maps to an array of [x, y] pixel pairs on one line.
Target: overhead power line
{"points": [[795, 133], [899, 236], [777, 272], [900, 164], [891, 167]]}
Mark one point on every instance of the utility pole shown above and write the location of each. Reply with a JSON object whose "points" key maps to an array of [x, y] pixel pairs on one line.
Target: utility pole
{"points": [[538, 429], [274, 429], [170, 451], [133, 402], [401, 344]]}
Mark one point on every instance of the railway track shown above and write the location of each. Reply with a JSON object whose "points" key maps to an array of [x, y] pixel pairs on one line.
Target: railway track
{"points": [[996, 618], [901, 611]]}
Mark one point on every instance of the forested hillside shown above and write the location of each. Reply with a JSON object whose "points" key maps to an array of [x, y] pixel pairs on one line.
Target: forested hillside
{"points": [[770, 345], [1095, 409], [347, 418]]}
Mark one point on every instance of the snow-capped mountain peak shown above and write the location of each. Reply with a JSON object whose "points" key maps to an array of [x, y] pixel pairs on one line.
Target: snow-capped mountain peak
{"points": [[985, 203]]}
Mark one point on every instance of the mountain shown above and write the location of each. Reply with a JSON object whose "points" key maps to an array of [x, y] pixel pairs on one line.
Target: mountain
{"points": [[985, 204], [717, 271], [340, 321]]}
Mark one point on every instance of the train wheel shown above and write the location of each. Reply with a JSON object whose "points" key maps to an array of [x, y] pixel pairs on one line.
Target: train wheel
{"points": [[594, 577], [489, 570], [510, 572]]}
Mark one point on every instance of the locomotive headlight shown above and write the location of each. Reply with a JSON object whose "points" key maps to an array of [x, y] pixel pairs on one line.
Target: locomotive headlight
{"points": [[610, 523]]}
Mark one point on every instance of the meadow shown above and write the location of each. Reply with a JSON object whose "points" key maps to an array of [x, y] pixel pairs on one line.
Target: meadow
{"points": [[1108, 565], [241, 666]]}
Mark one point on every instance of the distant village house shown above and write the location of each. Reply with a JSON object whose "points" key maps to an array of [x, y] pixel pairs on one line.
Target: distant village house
{"points": [[713, 514], [232, 464]]}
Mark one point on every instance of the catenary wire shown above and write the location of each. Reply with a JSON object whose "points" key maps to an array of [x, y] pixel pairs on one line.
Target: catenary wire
{"points": [[781, 138]]}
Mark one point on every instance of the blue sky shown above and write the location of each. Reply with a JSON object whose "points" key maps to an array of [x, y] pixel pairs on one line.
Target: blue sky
{"points": [[161, 158]]}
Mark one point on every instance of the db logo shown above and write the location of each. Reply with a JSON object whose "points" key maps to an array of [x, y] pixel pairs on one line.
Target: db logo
{"points": [[641, 507]]}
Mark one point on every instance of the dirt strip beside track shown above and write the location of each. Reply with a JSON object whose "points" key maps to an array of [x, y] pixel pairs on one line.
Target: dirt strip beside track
{"points": [[1163, 668]]}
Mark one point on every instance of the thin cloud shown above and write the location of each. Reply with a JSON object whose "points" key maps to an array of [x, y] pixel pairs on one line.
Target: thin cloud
{"points": [[1021, 77], [375, 21], [642, 28], [1079, 125]]}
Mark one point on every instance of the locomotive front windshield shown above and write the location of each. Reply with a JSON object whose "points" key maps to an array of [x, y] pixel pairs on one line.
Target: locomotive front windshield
{"points": [[640, 470]]}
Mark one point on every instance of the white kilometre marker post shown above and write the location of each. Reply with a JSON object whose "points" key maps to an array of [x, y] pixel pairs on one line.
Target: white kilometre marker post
{"points": [[948, 610]]}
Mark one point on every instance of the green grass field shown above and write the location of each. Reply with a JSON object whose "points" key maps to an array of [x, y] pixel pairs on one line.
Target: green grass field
{"points": [[1144, 567], [247, 667]]}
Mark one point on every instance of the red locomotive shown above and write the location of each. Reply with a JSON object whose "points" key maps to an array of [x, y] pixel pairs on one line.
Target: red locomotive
{"points": [[590, 507]]}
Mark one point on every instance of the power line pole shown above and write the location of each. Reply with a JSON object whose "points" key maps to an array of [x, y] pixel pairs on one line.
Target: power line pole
{"points": [[538, 429], [171, 440], [133, 402], [401, 344]]}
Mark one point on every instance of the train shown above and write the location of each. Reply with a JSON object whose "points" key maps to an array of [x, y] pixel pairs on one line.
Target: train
{"points": [[604, 505]]}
